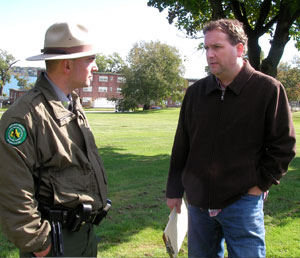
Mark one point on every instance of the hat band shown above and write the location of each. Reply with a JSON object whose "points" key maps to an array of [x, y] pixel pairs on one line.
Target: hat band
{"points": [[66, 50]]}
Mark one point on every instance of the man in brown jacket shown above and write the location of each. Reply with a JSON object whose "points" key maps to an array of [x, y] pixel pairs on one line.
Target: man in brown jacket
{"points": [[235, 138], [53, 186]]}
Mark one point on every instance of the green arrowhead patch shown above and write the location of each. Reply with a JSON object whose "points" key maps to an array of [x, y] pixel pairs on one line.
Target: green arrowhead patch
{"points": [[15, 134]]}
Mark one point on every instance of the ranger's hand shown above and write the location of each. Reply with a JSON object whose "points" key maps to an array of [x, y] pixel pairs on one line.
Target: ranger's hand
{"points": [[43, 253], [176, 202]]}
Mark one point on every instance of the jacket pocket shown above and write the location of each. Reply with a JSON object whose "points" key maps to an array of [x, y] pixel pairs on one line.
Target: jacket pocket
{"points": [[71, 190]]}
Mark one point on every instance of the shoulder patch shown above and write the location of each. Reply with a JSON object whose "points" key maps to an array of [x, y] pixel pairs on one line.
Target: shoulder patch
{"points": [[15, 134]]}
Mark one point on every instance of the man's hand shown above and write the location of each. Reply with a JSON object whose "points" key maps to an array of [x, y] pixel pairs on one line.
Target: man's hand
{"points": [[176, 202], [43, 253], [255, 190]]}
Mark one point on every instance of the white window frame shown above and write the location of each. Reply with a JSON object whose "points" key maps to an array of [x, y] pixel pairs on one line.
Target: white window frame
{"points": [[87, 89], [102, 89], [86, 99], [103, 78], [121, 79]]}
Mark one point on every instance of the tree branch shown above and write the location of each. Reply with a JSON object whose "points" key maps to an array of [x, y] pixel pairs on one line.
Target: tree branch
{"points": [[12, 64], [242, 17], [268, 26], [218, 12], [281, 37], [264, 11]]}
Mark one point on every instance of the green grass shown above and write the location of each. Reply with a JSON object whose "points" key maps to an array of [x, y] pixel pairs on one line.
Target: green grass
{"points": [[135, 148]]}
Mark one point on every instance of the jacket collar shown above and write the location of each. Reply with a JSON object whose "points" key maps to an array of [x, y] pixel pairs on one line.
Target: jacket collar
{"points": [[60, 112], [237, 84]]}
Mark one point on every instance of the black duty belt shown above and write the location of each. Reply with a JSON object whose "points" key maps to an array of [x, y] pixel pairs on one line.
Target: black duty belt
{"points": [[74, 219]]}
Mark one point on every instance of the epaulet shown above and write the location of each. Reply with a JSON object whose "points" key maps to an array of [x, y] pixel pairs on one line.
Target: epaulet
{"points": [[23, 104]]}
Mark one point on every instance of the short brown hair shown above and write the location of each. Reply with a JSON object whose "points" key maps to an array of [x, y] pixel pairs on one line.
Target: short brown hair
{"points": [[232, 28], [51, 65]]}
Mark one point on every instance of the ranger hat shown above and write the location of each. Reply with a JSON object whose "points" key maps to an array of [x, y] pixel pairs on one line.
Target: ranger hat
{"points": [[65, 41]]}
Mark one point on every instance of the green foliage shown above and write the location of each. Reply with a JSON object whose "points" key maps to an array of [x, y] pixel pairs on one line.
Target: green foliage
{"points": [[290, 79], [110, 64], [6, 62], [23, 81], [154, 74], [278, 18], [193, 14]]}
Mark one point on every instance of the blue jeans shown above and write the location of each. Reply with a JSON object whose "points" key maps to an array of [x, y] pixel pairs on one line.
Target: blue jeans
{"points": [[241, 225]]}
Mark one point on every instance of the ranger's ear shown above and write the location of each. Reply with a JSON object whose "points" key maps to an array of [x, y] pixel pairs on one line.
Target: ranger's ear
{"points": [[66, 65]]}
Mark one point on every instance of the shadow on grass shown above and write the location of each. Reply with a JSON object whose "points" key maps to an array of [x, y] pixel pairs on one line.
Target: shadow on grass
{"points": [[137, 190]]}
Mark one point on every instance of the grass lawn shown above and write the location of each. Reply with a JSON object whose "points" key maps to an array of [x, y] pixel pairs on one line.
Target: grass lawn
{"points": [[135, 148]]}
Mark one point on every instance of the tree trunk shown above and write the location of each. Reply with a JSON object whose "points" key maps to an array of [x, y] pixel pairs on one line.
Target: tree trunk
{"points": [[217, 9], [281, 37], [254, 51], [146, 107]]}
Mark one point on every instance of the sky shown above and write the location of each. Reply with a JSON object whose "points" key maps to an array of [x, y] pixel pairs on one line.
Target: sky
{"points": [[119, 25]]}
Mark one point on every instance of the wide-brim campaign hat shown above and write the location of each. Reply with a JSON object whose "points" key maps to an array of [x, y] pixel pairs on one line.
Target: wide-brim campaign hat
{"points": [[66, 41]]}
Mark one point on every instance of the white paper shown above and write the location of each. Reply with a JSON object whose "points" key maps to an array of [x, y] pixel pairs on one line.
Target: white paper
{"points": [[176, 230]]}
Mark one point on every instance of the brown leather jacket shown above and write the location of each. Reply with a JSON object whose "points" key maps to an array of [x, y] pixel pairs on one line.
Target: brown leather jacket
{"points": [[226, 145]]}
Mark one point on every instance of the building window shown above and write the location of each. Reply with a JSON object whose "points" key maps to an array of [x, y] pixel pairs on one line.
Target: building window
{"points": [[111, 88], [103, 78], [121, 79], [87, 89], [119, 90], [86, 99], [102, 89], [111, 78]]}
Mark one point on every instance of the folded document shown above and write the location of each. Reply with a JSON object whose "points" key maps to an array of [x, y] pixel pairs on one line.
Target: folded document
{"points": [[176, 230]]}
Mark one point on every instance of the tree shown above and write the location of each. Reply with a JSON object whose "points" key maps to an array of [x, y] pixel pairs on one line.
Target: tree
{"points": [[23, 81], [290, 79], [279, 18], [110, 64], [154, 74], [6, 62]]}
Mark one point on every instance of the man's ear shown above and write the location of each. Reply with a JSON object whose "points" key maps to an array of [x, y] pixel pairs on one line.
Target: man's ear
{"points": [[240, 49], [66, 65]]}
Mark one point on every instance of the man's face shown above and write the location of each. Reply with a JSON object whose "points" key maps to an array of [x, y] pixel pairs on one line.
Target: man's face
{"points": [[82, 71], [220, 54]]}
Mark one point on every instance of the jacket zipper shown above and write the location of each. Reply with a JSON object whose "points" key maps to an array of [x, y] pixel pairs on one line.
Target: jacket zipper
{"points": [[223, 94], [211, 198]]}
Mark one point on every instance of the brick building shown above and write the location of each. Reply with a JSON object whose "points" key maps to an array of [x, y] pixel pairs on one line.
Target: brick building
{"points": [[103, 87], [14, 94], [108, 85]]}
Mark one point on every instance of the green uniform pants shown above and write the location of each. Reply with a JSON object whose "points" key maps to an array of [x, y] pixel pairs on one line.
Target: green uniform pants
{"points": [[76, 244]]}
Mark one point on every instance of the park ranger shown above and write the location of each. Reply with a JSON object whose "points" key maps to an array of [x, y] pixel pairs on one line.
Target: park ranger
{"points": [[53, 187]]}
